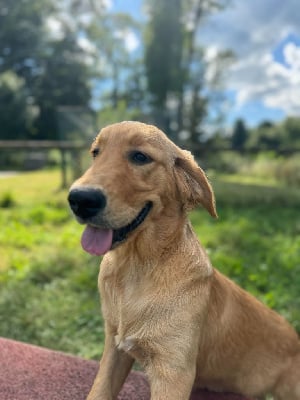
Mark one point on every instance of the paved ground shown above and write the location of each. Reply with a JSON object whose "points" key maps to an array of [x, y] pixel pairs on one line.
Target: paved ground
{"points": [[33, 373], [7, 174]]}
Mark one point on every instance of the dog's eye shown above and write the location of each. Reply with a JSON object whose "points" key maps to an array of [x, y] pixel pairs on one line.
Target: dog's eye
{"points": [[95, 152], [139, 158]]}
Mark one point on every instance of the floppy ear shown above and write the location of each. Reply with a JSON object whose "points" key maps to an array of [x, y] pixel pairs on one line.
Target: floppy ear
{"points": [[192, 184]]}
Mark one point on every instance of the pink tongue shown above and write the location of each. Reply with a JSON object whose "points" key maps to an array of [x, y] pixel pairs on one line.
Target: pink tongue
{"points": [[96, 241]]}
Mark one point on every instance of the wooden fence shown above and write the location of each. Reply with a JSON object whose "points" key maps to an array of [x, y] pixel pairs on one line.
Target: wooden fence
{"points": [[74, 149]]}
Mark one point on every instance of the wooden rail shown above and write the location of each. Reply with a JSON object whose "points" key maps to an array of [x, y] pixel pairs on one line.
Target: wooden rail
{"points": [[64, 146], [75, 149], [42, 144]]}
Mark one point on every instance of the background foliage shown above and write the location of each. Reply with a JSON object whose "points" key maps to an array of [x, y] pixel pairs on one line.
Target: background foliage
{"points": [[67, 68], [75, 54], [61, 61], [48, 285]]}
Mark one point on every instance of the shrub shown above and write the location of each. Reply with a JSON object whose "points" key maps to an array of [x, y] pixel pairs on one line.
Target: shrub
{"points": [[7, 200], [266, 166], [288, 171], [226, 162]]}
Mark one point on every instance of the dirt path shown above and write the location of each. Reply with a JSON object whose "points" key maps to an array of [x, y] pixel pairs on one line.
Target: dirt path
{"points": [[7, 174]]}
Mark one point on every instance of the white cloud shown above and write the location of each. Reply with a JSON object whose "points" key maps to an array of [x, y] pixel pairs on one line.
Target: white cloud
{"points": [[266, 80], [211, 53], [55, 28], [86, 45], [292, 55], [130, 39], [252, 25], [107, 4], [253, 30]]}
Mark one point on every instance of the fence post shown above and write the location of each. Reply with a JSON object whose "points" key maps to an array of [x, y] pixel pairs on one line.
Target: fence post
{"points": [[76, 163], [63, 164]]}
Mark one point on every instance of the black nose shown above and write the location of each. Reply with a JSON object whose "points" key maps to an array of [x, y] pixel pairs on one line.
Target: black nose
{"points": [[86, 203]]}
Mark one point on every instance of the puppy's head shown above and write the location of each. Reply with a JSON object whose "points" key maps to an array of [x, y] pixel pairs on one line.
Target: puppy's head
{"points": [[137, 176]]}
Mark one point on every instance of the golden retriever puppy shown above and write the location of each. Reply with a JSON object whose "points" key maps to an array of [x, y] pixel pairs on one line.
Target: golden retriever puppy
{"points": [[163, 303]]}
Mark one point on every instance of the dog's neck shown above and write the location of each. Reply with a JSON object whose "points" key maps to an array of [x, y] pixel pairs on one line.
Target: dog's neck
{"points": [[161, 242]]}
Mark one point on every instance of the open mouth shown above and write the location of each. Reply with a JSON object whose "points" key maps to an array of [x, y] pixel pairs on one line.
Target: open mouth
{"points": [[98, 241], [119, 235]]}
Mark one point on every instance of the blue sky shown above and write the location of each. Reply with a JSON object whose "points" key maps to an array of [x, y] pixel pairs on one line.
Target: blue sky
{"points": [[263, 83]]}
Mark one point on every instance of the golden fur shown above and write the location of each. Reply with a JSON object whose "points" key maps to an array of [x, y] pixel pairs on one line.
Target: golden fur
{"points": [[163, 303]]}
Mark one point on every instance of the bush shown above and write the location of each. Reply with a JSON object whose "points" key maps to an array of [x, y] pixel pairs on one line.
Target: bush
{"points": [[288, 171], [263, 165], [7, 200], [266, 166], [229, 162]]}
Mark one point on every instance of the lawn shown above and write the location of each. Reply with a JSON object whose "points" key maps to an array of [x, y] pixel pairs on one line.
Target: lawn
{"points": [[48, 285]]}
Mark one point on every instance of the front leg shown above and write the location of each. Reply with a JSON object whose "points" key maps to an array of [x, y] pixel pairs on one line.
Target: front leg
{"points": [[171, 382], [171, 369], [114, 368]]}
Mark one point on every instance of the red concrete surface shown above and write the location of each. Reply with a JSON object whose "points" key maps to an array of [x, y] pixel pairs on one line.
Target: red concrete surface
{"points": [[29, 372]]}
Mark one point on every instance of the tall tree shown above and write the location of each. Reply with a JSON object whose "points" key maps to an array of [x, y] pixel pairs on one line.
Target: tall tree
{"points": [[291, 127], [63, 82], [266, 136], [175, 64], [239, 135], [16, 117], [22, 36], [163, 59], [53, 71], [163, 54], [117, 67]]}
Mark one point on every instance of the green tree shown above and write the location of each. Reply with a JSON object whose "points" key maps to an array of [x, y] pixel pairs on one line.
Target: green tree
{"points": [[164, 38], [64, 81], [239, 135], [54, 72], [163, 53], [266, 136], [118, 70], [90, 50], [22, 36], [291, 131], [176, 66], [17, 118]]}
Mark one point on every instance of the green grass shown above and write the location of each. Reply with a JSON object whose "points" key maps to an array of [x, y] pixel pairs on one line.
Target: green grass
{"points": [[48, 285], [259, 248]]}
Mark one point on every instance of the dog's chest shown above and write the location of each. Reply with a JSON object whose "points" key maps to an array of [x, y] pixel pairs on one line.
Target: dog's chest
{"points": [[142, 314], [129, 314], [124, 303]]}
